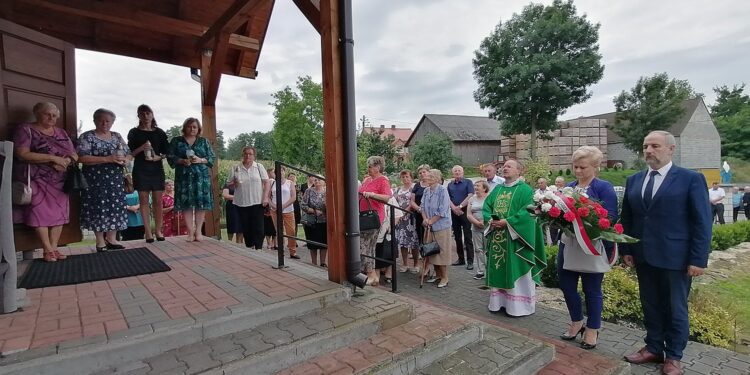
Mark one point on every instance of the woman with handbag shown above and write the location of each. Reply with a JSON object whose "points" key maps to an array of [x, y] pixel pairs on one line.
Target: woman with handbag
{"points": [[103, 154], [313, 207], [436, 218], [45, 153], [589, 268], [373, 192]]}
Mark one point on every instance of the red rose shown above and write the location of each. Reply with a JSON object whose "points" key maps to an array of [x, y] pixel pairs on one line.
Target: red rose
{"points": [[554, 212], [570, 201], [604, 223], [601, 211], [583, 199], [569, 216], [583, 212], [618, 228]]}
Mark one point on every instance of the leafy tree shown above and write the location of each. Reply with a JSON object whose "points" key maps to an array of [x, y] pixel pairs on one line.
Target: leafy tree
{"points": [[655, 103], [436, 150], [735, 133], [174, 131], [263, 143], [373, 143], [535, 66], [729, 101], [298, 124]]}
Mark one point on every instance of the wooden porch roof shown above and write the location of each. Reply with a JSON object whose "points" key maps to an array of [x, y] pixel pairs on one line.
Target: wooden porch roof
{"points": [[169, 31]]}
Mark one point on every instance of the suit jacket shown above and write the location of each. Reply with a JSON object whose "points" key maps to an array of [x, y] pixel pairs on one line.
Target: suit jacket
{"points": [[675, 230]]}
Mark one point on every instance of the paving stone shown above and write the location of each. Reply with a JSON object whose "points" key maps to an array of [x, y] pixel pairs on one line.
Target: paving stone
{"points": [[199, 362]]}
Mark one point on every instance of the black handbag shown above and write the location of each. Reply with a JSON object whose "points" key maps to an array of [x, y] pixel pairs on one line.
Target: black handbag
{"points": [[74, 181], [429, 249], [368, 219]]}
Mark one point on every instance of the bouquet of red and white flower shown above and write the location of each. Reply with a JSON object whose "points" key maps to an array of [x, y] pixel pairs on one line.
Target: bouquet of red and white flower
{"points": [[579, 216]]}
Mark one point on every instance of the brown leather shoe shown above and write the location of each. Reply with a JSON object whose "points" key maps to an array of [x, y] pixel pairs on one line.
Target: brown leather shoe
{"points": [[671, 367], [644, 356]]}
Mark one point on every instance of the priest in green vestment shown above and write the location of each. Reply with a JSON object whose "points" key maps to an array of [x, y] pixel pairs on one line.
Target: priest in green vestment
{"points": [[515, 245]]}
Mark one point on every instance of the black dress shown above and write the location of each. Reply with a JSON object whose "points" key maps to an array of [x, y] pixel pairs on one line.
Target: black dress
{"points": [[232, 215], [418, 191], [148, 175]]}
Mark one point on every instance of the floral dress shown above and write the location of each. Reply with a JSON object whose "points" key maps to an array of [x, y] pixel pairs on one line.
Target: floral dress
{"points": [[103, 202], [192, 185], [406, 230], [173, 224]]}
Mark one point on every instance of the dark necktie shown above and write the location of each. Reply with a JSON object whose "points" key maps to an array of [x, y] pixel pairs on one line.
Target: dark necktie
{"points": [[649, 193]]}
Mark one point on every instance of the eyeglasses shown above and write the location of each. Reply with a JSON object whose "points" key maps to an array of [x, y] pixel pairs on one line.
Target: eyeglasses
{"points": [[248, 154]]}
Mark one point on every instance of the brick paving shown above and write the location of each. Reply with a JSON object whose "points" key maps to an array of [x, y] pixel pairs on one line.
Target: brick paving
{"points": [[207, 279]]}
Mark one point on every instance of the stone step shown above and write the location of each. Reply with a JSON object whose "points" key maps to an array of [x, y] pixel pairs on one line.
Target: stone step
{"points": [[85, 356], [281, 343], [435, 342]]}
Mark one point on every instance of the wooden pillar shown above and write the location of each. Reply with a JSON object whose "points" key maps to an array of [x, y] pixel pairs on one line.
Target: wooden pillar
{"points": [[208, 112], [333, 139]]}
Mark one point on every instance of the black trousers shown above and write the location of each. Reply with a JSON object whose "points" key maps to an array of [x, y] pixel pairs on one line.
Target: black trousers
{"points": [[132, 233], [735, 212], [251, 219], [462, 233], [718, 210]]}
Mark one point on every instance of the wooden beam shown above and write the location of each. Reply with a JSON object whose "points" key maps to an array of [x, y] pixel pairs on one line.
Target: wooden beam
{"points": [[218, 57], [208, 113], [128, 16], [333, 140], [310, 11], [230, 20]]}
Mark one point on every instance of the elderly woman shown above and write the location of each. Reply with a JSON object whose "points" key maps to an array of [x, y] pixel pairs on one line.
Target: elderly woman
{"points": [[514, 246], [103, 154], [374, 191], [45, 153], [314, 207], [406, 231], [586, 161], [436, 218], [416, 201], [148, 144], [250, 181], [192, 156]]}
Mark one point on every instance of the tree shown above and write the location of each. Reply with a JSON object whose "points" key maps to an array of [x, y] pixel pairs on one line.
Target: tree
{"points": [[174, 131], [373, 143], [436, 150], [535, 66], [655, 103], [729, 101], [298, 124], [263, 143]]}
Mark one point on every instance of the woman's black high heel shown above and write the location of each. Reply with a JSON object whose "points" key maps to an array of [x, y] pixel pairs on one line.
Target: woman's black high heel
{"points": [[587, 346], [114, 246], [571, 338]]}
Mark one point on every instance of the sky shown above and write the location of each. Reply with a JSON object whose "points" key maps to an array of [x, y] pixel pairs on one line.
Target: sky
{"points": [[414, 57]]}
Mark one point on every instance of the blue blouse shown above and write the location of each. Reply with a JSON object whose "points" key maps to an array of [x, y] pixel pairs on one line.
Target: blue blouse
{"points": [[437, 203]]}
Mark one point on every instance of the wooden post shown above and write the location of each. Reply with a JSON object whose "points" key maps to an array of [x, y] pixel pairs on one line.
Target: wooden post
{"points": [[208, 111], [333, 139]]}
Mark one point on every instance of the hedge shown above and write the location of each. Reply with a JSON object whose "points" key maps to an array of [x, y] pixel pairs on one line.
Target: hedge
{"points": [[728, 235]]}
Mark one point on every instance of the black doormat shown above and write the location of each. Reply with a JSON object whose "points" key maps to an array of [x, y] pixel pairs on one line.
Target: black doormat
{"points": [[85, 268]]}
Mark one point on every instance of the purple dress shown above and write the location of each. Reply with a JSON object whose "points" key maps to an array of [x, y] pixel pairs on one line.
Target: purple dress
{"points": [[49, 205]]}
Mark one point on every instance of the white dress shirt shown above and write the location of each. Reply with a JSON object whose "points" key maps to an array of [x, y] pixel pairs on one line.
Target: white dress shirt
{"points": [[716, 195], [249, 191], [658, 179]]}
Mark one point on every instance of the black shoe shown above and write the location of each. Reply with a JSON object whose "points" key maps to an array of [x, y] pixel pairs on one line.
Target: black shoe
{"points": [[469, 266], [479, 276], [160, 238], [458, 263], [294, 256], [565, 336], [587, 346], [114, 246], [149, 240], [101, 249]]}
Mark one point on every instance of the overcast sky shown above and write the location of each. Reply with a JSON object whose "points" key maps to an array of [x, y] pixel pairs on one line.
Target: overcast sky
{"points": [[414, 57]]}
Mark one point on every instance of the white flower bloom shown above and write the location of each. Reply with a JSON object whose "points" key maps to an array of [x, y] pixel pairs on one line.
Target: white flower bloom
{"points": [[552, 188], [546, 207], [549, 195], [538, 197], [568, 191]]}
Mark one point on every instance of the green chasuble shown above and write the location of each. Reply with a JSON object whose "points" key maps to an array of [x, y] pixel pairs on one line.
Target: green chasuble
{"points": [[509, 259]]}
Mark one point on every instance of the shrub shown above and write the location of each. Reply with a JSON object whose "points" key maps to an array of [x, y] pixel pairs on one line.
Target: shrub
{"points": [[621, 297], [726, 236], [536, 169], [567, 172], [710, 323], [549, 274]]}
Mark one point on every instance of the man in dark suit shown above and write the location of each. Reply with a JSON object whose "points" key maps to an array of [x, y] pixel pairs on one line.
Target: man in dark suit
{"points": [[667, 208]]}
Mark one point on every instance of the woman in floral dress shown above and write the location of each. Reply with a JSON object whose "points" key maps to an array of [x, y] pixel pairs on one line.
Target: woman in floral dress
{"points": [[192, 156], [406, 230], [103, 154], [174, 223]]}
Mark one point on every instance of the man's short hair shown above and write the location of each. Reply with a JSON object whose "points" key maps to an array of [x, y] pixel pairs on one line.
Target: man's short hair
{"points": [[668, 137]]}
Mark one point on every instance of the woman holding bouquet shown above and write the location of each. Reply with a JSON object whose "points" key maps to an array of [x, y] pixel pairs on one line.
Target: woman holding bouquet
{"points": [[586, 161], [514, 245]]}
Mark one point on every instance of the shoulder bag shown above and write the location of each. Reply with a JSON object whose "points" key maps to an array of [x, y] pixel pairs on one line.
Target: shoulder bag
{"points": [[21, 191], [75, 181], [429, 248], [369, 218]]}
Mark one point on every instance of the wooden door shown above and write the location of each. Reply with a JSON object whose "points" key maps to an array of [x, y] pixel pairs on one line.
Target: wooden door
{"points": [[35, 67]]}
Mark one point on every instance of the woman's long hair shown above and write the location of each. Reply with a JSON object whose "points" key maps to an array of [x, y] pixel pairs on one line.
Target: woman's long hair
{"points": [[144, 108]]}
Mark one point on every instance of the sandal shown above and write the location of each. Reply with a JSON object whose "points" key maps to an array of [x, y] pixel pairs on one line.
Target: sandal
{"points": [[49, 257], [58, 255]]}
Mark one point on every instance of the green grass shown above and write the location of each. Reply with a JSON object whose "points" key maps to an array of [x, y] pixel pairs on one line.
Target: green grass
{"points": [[734, 293]]}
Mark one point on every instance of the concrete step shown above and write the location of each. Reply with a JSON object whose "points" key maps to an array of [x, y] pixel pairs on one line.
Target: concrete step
{"points": [[87, 356], [281, 343]]}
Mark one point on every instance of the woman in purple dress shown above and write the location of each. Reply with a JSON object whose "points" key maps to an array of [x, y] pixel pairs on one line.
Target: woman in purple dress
{"points": [[44, 154]]}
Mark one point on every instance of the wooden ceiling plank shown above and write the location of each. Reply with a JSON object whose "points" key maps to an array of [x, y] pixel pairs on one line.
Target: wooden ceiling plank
{"points": [[310, 11], [230, 20], [145, 20]]}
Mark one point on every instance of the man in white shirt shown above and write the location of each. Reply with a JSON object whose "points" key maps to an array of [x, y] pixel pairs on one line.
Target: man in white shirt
{"points": [[489, 171], [716, 196], [541, 185]]}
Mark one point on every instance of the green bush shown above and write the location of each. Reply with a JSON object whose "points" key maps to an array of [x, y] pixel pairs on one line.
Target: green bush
{"points": [[621, 297], [567, 172], [726, 236], [710, 323], [549, 274], [536, 169]]}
